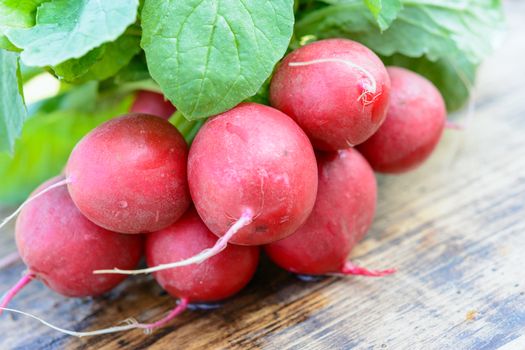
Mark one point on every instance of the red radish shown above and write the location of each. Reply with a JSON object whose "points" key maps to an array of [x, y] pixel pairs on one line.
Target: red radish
{"points": [[61, 247], [253, 161], [153, 103], [336, 89], [343, 213], [253, 178], [129, 174], [215, 279], [413, 127]]}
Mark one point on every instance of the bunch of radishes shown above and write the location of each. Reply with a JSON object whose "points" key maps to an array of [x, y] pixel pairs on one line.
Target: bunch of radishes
{"points": [[250, 179]]}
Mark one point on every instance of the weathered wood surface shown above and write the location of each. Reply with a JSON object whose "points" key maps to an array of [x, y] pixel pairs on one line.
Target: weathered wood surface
{"points": [[455, 229]]}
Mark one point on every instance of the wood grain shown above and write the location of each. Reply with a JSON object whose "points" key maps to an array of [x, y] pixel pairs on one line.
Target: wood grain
{"points": [[455, 229]]}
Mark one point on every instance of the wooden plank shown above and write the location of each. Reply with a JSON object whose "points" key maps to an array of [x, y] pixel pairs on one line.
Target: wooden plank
{"points": [[455, 229]]}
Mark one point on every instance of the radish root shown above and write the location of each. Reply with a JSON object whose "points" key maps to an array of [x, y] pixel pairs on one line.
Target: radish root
{"points": [[130, 323], [24, 281], [219, 246], [369, 94], [180, 308], [27, 201], [73, 333], [350, 269]]}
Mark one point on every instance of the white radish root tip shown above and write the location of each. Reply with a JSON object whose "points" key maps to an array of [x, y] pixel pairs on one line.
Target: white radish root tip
{"points": [[368, 97], [369, 94], [27, 201], [130, 323], [350, 269], [221, 244], [73, 333]]}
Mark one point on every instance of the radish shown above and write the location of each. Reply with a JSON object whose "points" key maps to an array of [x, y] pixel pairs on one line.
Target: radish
{"points": [[129, 174], [343, 213], [337, 90], [153, 103], [61, 247], [253, 162], [413, 127], [215, 279], [253, 178]]}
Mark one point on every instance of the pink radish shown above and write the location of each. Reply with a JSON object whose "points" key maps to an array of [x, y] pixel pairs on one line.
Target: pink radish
{"points": [[342, 215], [253, 178], [153, 103], [252, 162], [215, 279], [129, 174], [414, 124], [61, 247], [337, 90]]}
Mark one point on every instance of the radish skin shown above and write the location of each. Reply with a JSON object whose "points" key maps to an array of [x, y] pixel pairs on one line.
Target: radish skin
{"points": [[255, 159], [337, 90], [413, 126], [61, 248], [253, 179], [343, 212], [217, 278], [32, 197], [152, 103], [129, 174]]}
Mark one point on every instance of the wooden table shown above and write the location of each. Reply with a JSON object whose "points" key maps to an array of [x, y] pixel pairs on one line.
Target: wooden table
{"points": [[455, 229]]}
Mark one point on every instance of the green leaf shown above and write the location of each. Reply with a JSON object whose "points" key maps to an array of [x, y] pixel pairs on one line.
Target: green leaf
{"points": [[116, 56], [209, 55], [453, 76], [45, 145], [67, 29], [12, 108], [435, 29], [71, 70], [385, 12], [136, 70], [101, 62], [5, 44], [16, 14]]}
